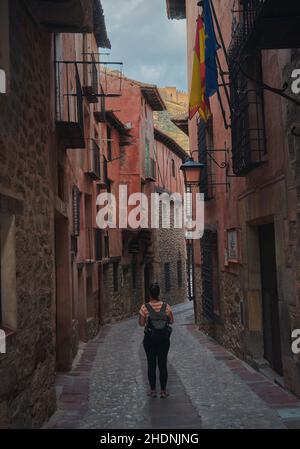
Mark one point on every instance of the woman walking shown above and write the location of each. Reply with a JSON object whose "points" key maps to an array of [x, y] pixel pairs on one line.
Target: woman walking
{"points": [[156, 316]]}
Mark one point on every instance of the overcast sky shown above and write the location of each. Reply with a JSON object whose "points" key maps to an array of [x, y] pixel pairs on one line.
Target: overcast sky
{"points": [[152, 47]]}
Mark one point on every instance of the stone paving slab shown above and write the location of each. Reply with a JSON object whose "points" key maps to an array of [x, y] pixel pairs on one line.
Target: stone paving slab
{"points": [[210, 388]]}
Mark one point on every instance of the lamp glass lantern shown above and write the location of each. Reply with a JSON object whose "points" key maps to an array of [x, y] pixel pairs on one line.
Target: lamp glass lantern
{"points": [[192, 171]]}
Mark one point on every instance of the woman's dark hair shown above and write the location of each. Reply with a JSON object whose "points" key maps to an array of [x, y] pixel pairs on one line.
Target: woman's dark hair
{"points": [[154, 290]]}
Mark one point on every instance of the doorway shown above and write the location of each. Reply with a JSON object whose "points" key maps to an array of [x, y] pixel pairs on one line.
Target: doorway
{"points": [[270, 302]]}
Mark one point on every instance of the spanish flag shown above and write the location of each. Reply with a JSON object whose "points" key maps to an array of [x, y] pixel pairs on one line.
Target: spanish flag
{"points": [[198, 100]]}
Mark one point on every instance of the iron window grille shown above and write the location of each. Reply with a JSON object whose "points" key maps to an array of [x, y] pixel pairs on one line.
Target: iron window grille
{"points": [[248, 123], [242, 30], [76, 211], [190, 271]]}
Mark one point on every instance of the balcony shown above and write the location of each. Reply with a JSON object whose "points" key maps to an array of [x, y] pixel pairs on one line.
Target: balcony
{"points": [[266, 24], [93, 163], [91, 86], [69, 105], [150, 169], [176, 9], [63, 16]]}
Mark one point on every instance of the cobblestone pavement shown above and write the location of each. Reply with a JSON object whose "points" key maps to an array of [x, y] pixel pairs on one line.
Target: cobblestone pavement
{"points": [[210, 388]]}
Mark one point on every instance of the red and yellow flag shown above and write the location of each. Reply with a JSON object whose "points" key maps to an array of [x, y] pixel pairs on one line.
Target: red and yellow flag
{"points": [[198, 101]]}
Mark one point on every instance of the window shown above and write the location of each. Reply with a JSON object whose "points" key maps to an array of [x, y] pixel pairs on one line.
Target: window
{"points": [[76, 211], [248, 121], [98, 244], [179, 272], [106, 246], [109, 144], [210, 275], [167, 277], [173, 168], [4, 46], [8, 297], [116, 276]]}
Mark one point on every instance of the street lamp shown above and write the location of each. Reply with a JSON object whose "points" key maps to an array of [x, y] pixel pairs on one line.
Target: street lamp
{"points": [[192, 171]]}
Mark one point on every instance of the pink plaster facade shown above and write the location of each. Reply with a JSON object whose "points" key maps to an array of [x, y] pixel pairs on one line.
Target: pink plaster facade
{"points": [[265, 198]]}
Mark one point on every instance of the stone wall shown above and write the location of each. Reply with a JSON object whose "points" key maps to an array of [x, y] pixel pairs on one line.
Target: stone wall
{"points": [[169, 247], [292, 225], [27, 371], [127, 301]]}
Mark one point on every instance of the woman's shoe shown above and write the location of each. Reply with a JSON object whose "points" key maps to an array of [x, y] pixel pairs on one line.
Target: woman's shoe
{"points": [[164, 394], [152, 394]]}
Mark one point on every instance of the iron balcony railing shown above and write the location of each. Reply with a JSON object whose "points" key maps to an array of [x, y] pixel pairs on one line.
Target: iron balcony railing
{"points": [[265, 24], [91, 88], [242, 30], [76, 80], [69, 105]]}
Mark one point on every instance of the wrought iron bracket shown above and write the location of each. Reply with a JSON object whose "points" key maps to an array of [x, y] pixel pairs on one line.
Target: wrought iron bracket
{"points": [[224, 165]]}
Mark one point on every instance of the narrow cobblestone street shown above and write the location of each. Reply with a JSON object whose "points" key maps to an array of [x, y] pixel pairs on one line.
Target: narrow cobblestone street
{"points": [[209, 387]]}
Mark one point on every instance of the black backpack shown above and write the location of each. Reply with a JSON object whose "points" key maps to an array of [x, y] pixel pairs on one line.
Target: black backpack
{"points": [[158, 323]]}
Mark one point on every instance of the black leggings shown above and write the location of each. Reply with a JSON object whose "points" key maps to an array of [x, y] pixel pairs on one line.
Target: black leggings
{"points": [[157, 353]]}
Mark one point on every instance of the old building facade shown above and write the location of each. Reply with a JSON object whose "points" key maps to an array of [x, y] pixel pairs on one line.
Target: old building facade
{"points": [[62, 143], [44, 312], [148, 161], [247, 262]]}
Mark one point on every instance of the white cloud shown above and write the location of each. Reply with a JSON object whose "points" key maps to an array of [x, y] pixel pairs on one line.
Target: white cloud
{"points": [[152, 47]]}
